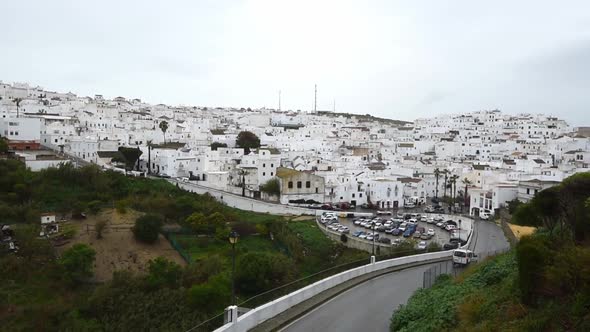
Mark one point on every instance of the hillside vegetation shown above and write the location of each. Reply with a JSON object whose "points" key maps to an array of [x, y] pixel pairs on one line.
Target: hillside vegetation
{"points": [[41, 291], [543, 284]]}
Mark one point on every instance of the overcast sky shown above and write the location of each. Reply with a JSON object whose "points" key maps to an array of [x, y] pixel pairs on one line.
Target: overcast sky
{"points": [[397, 59]]}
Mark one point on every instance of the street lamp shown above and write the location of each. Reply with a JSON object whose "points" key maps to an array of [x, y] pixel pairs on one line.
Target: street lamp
{"points": [[373, 235], [233, 239]]}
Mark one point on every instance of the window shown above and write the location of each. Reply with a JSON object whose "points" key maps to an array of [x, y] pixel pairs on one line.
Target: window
{"points": [[271, 174], [299, 184], [272, 165], [307, 184], [263, 165], [528, 191], [361, 195], [316, 190], [290, 184], [263, 173], [353, 195]]}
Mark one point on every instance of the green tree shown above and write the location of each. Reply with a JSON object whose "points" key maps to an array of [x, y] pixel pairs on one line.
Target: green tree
{"points": [[216, 145], [198, 223], [78, 262], [131, 156], [212, 296], [436, 176], [272, 187], [260, 271], [164, 127], [17, 101], [147, 228], [164, 273], [3, 145], [531, 254], [247, 140]]}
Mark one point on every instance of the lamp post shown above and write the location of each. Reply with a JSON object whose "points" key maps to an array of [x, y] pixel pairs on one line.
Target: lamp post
{"points": [[233, 239], [373, 235]]}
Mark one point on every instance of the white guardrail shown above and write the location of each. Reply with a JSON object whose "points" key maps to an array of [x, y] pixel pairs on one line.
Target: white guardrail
{"points": [[271, 309]]}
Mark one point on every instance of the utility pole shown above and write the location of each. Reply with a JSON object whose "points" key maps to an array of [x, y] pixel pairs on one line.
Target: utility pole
{"points": [[334, 106], [279, 100], [315, 99]]}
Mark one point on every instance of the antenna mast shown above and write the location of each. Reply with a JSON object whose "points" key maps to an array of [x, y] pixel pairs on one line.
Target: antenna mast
{"points": [[279, 100], [315, 100]]}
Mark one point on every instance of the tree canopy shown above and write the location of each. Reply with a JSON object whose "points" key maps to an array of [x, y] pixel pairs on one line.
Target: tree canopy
{"points": [[247, 140], [147, 228], [216, 145], [164, 127], [130, 156], [78, 262]]}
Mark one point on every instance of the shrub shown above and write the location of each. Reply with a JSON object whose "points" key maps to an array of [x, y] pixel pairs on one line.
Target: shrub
{"points": [[77, 262], [99, 228], [94, 207], [531, 255], [147, 228], [164, 273], [271, 187], [212, 296]]}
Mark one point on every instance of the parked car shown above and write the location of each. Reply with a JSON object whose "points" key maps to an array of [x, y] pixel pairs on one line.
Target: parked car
{"points": [[450, 227], [430, 231], [422, 245], [440, 224], [484, 216], [430, 220], [358, 222], [425, 237], [408, 232], [396, 232], [421, 229], [389, 230], [396, 242], [450, 245], [357, 233], [417, 235], [429, 209], [451, 222], [385, 240], [363, 235]]}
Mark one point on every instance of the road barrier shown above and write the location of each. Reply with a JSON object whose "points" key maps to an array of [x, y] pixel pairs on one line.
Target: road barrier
{"points": [[271, 309]]}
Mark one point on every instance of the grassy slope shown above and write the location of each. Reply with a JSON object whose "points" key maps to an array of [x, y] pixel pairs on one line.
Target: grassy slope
{"points": [[484, 298]]}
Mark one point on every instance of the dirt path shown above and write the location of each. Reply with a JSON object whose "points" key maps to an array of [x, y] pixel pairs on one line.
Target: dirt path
{"points": [[118, 249]]}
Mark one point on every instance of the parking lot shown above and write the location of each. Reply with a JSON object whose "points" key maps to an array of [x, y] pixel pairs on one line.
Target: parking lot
{"points": [[441, 236]]}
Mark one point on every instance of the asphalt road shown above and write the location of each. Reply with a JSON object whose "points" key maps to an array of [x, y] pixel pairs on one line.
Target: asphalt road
{"points": [[368, 307]]}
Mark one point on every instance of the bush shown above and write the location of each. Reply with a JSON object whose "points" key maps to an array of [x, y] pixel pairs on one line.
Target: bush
{"points": [[344, 238], [531, 254], [212, 296], [260, 271], [164, 273], [147, 228], [99, 228], [272, 187], [94, 207], [78, 262]]}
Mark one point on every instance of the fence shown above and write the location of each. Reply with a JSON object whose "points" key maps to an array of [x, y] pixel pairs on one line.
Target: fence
{"points": [[170, 236]]}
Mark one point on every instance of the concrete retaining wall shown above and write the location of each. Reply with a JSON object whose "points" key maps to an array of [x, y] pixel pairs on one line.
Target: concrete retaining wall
{"points": [[245, 203], [269, 310]]}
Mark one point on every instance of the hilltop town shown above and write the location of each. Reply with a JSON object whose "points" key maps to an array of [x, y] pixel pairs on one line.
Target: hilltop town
{"points": [[318, 158]]}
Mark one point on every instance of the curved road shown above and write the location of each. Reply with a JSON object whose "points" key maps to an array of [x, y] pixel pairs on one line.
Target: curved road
{"points": [[368, 306]]}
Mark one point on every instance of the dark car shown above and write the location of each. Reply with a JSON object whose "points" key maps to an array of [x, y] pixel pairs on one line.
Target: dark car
{"points": [[385, 240], [439, 209], [461, 242], [396, 232], [326, 207], [381, 228], [451, 222], [451, 245]]}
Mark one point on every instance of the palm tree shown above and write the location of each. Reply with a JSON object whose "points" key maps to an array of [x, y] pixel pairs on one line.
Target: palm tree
{"points": [[17, 101], [446, 172], [436, 175], [149, 146], [454, 178], [467, 183], [164, 126]]}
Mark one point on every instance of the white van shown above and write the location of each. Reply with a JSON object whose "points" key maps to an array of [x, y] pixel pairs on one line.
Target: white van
{"points": [[463, 257]]}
